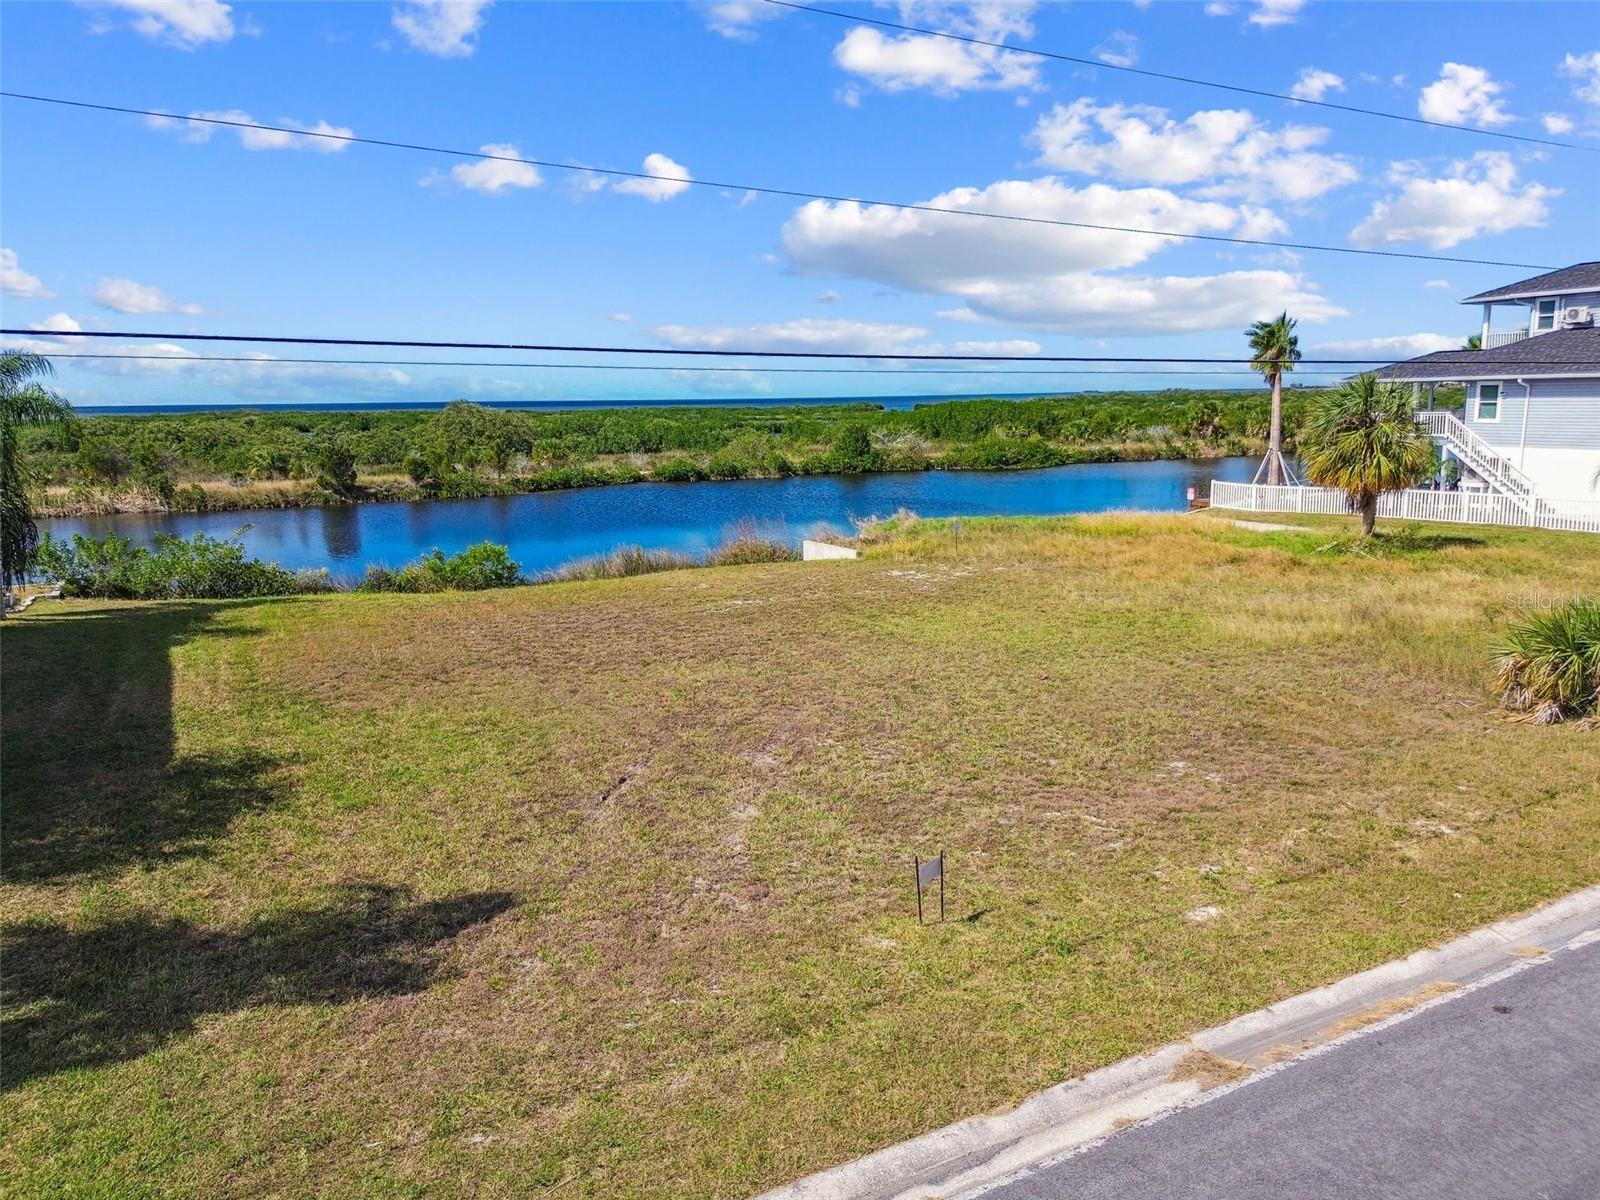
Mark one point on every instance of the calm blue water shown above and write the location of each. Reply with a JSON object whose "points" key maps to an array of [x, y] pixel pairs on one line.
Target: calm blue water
{"points": [[551, 528]]}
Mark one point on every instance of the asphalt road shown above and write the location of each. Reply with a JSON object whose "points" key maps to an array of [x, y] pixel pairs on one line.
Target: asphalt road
{"points": [[1493, 1095]]}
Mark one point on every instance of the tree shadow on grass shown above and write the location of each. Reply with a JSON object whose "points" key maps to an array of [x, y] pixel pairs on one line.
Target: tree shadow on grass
{"points": [[92, 779], [119, 990]]}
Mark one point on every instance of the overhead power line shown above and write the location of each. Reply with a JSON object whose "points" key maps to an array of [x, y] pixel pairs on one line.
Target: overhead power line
{"points": [[1240, 89], [789, 193], [434, 362], [671, 351]]}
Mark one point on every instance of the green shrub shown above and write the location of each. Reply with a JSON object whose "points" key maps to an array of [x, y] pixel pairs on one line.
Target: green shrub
{"points": [[727, 466], [475, 569], [1548, 664], [201, 568], [191, 497], [853, 451], [677, 470], [333, 463]]}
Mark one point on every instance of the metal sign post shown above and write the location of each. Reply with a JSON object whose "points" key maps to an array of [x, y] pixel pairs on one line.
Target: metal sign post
{"points": [[926, 873]]}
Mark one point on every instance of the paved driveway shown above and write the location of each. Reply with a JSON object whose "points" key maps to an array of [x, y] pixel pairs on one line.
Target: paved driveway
{"points": [[1493, 1094]]}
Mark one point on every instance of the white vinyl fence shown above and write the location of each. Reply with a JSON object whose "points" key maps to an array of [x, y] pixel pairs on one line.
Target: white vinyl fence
{"points": [[1461, 507]]}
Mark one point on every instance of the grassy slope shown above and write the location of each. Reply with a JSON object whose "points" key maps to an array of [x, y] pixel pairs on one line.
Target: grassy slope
{"points": [[606, 884]]}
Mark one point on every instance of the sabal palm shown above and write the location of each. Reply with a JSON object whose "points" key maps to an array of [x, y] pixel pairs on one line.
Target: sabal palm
{"points": [[1274, 349], [1363, 438], [23, 400]]}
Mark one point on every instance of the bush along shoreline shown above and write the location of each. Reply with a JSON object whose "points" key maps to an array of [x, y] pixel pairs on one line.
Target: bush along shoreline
{"points": [[206, 568], [227, 461]]}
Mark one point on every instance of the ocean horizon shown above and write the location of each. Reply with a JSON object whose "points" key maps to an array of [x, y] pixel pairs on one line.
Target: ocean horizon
{"points": [[882, 402]]}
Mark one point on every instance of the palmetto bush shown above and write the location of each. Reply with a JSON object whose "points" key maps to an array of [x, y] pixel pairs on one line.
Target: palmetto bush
{"points": [[1548, 664]]}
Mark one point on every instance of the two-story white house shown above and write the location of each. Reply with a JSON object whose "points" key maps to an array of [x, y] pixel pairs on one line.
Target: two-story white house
{"points": [[1531, 420]]}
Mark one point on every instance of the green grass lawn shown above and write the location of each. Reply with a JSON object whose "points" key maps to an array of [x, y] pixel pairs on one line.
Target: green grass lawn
{"points": [[605, 887]]}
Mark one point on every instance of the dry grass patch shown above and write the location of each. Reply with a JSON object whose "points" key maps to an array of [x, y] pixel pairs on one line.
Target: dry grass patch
{"points": [[606, 885]]}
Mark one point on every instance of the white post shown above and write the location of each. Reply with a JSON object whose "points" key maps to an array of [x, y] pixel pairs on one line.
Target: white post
{"points": [[1483, 338], [1522, 440]]}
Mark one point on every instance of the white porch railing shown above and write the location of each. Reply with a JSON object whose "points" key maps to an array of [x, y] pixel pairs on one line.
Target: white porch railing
{"points": [[1505, 339], [1460, 508]]}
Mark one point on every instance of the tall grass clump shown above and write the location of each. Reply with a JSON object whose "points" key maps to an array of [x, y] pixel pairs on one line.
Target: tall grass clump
{"points": [[475, 569], [622, 563], [745, 549], [1548, 664]]}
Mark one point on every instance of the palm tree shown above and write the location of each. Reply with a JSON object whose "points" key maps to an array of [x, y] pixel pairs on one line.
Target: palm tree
{"points": [[1274, 349], [1475, 342], [23, 400], [1364, 439]]}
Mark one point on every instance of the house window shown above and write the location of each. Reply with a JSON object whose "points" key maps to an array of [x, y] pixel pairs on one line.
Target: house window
{"points": [[1544, 315], [1488, 402]]}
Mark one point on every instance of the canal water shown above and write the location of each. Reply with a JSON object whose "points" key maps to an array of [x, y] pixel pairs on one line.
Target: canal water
{"points": [[549, 529]]}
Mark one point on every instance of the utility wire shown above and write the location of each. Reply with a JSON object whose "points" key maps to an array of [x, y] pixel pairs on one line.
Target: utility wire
{"points": [[536, 346], [1101, 64], [790, 193], [433, 362]]}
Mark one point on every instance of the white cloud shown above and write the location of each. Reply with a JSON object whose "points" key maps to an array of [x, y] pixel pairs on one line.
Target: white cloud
{"points": [[816, 334], [737, 383], [1238, 154], [1119, 49], [1403, 345], [1439, 285], [667, 179], [1008, 346], [958, 314], [1219, 8], [620, 317], [57, 323], [252, 136], [126, 296], [829, 296], [582, 184], [494, 174], [901, 62], [156, 358], [1558, 123], [266, 375], [1586, 69], [1269, 13], [804, 333], [1479, 195], [1144, 305], [1463, 95], [923, 251], [444, 28], [1315, 83], [14, 281], [738, 19], [182, 23], [1045, 276]]}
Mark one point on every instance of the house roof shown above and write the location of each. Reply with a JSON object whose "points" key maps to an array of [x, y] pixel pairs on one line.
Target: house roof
{"points": [[1564, 352], [1580, 277]]}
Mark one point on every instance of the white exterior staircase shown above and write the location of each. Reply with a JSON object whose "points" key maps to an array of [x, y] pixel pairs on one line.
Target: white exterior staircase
{"points": [[1486, 462]]}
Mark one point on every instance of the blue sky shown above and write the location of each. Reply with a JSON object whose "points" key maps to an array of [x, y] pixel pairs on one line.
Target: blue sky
{"points": [[118, 222]]}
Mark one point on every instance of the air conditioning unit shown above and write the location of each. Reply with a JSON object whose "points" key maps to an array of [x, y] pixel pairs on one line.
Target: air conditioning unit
{"points": [[1578, 317]]}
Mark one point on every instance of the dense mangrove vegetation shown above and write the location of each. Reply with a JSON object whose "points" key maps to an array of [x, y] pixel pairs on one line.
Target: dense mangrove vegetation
{"points": [[260, 458]]}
